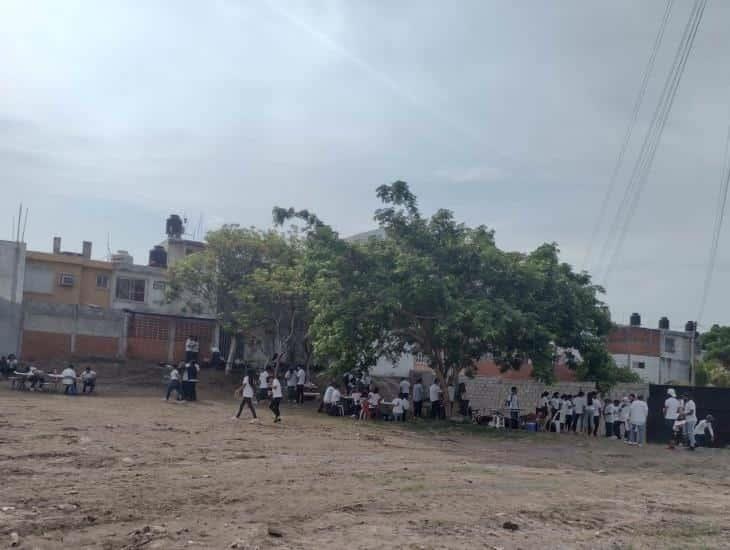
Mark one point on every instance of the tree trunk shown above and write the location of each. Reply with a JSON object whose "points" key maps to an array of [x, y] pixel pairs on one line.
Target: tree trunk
{"points": [[231, 354]]}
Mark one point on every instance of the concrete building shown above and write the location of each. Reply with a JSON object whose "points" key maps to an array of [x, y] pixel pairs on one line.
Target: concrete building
{"points": [[12, 272], [658, 355], [68, 278]]}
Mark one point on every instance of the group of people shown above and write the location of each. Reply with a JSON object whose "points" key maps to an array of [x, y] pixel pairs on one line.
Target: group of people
{"points": [[183, 380], [34, 379], [623, 419], [269, 388]]}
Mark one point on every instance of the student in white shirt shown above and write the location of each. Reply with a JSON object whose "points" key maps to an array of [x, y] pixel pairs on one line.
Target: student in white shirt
{"points": [[335, 402], [623, 417], [69, 380], [690, 419], [264, 384], [597, 413], [579, 406], [671, 412], [434, 395], [638, 412], [327, 398], [398, 409], [566, 413], [513, 404], [704, 435], [301, 379], [276, 396], [404, 388], [418, 398], [374, 403], [291, 385], [174, 384], [246, 392], [610, 415]]}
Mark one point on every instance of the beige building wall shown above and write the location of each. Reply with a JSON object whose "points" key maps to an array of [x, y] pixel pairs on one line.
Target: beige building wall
{"points": [[43, 280]]}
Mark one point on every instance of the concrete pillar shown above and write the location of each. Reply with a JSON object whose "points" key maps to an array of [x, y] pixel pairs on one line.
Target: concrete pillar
{"points": [[122, 350], [171, 343]]}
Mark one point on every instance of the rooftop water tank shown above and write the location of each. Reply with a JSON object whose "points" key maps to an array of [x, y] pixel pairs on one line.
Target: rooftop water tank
{"points": [[158, 257], [174, 226], [690, 326], [635, 320], [664, 323]]}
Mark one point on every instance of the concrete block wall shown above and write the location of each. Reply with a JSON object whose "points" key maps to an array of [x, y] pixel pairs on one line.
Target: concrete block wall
{"points": [[10, 318], [488, 393]]}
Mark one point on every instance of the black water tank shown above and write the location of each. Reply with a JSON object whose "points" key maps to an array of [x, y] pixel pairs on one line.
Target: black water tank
{"points": [[174, 226], [664, 323], [158, 257], [635, 320], [690, 326]]}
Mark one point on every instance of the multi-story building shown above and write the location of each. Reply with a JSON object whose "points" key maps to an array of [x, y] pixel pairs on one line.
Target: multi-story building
{"points": [[658, 355]]}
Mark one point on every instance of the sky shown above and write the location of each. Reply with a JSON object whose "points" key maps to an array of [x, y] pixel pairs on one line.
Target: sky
{"points": [[115, 114]]}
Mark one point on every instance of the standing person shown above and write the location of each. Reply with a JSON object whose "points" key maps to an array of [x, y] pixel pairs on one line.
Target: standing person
{"points": [[566, 413], [69, 380], [404, 389], [174, 385], [579, 406], [189, 349], [263, 392], [418, 398], [301, 379], [690, 420], [617, 419], [671, 412], [398, 409], [196, 349], [513, 405], [609, 416], [588, 412], [326, 402], [4, 367], [186, 381], [88, 377], [374, 403], [623, 415], [276, 396], [555, 405], [434, 395], [192, 371], [245, 390], [463, 398], [291, 385], [597, 412], [638, 412]]}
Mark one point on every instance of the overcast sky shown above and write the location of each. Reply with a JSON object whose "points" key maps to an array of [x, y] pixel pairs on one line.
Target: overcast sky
{"points": [[511, 114]]}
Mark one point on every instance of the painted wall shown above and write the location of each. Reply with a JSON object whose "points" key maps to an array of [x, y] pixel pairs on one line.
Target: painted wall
{"points": [[42, 280]]}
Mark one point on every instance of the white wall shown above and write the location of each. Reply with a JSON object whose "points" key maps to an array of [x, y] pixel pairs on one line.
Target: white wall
{"points": [[650, 372]]}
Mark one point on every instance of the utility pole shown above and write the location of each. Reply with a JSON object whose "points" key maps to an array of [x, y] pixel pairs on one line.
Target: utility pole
{"points": [[692, 354]]}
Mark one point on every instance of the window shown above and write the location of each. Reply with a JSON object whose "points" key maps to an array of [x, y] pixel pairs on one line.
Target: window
{"points": [[102, 281], [639, 365], [131, 289], [159, 285], [669, 345], [66, 279]]}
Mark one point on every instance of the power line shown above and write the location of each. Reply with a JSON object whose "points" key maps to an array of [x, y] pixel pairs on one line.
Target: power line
{"points": [[717, 229], [629, 130], [644, 162]]}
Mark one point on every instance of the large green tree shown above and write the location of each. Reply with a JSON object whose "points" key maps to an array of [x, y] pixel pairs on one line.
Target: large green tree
{"points": [[715, 344]]}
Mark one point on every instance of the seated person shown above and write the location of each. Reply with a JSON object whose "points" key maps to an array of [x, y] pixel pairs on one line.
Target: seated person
{"points": [[88, 377], [36, 378], [704, 434]]}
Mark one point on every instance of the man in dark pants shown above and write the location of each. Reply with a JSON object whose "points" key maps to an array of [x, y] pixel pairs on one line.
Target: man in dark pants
{"points": [[301, 378], [513, 405]]}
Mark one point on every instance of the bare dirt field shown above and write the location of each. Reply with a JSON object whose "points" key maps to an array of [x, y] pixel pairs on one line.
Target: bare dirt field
{"points": [[129, 471]]}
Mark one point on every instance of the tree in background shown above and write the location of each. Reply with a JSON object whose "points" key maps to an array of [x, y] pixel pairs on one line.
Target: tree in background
{"points": [[716, 345], [250, 278], [439, 288]]}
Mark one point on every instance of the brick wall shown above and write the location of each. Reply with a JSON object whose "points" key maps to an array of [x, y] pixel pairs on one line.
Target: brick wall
{"points": [[38, 345], [96, 346]]}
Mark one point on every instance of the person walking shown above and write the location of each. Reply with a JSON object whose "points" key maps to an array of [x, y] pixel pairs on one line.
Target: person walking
{"points": [[690, 420], [671, 412], [418, 398], [704, 434], [276, 396], [301, 379], [174, 385], [638, 413], [245, 390], [597, 413]]}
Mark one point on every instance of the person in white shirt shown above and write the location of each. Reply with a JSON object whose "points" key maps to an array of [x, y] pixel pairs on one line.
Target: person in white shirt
{"points": [[588, 416], [418, 398], [566, 413], [276, 396], [434, 395], [404, 388], [356, 396], [610, 416], [690, 420], [704, 435], [579, 406], [597, 413], [88, 377], [301, 379], [374, 403], [513, 405], [671, 412], [335, 402], [189, 349], [398, 409], [623, 418], [638, 412], [264, 384], [246, 392], [291, 385], [69, 380], [174, 384]]}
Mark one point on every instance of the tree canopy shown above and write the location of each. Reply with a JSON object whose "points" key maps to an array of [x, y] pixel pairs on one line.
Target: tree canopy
{"points": [[716, 345]]}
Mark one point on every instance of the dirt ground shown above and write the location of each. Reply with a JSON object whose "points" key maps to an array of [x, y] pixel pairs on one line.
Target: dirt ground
{"points": [[120, 470]]}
